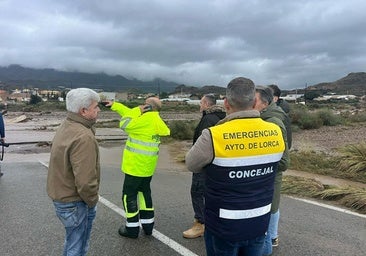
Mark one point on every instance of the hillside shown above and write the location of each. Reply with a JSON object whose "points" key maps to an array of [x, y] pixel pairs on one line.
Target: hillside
{"points": [[15, 76], [353, 83], [18, 76]]}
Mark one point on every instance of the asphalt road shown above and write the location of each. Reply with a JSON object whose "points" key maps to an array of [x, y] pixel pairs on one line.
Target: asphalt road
{"points": [[29, 226]]}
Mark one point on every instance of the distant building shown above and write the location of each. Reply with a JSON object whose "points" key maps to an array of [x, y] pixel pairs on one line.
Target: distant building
{"points": [[335, 97], [292, 97], [19, 96], [108, 95]]}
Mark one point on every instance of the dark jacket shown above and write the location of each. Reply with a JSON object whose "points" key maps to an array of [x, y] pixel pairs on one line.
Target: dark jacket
{"points": [[210, 117], [2, 126], [284, 105], [275, 114], [274, 110]]}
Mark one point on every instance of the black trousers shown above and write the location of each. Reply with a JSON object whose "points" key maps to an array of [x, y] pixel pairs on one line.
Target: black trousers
{"points": [[137, 202]]}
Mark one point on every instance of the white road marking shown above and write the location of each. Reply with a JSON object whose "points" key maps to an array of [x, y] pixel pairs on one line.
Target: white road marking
{"points": [[184, 251], [329, 207], [161, 237]]}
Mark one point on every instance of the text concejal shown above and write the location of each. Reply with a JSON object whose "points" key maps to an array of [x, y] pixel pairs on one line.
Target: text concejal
{"points": [[250, 173]]}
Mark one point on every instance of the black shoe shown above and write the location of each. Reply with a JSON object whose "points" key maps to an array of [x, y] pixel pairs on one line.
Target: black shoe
{"points": [[148, 232], [148, 228], [124, 231], [1, 174]]}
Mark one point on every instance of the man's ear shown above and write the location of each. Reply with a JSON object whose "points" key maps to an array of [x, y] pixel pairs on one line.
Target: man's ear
{"points": [[82, 111], [254, 102], [226, 104]]}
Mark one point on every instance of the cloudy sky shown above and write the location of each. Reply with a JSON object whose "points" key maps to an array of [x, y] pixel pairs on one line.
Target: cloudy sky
{"points": [[196, 42]]}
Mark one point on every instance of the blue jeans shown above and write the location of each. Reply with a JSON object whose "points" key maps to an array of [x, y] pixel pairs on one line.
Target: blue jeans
{"points": [[272, 233], [198, 196], [218, 247], [77, 218]]}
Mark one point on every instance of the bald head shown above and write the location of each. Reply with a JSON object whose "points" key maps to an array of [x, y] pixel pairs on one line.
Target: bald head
{"points": [[154, 102]]}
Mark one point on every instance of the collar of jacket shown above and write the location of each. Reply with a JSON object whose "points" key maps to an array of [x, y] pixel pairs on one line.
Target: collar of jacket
{"points": [[214, 109], [79, 119], [270, 108], [240, 114]]}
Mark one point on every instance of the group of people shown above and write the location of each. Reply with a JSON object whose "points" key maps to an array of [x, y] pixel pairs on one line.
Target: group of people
{"points": [[237, 158]]}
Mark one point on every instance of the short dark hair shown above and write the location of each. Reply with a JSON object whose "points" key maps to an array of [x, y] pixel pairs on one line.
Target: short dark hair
{"points": [[210, 98], [240, 93], [265, 94], [275, 89]]}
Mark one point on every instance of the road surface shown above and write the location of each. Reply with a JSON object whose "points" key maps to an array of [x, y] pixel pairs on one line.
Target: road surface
{"points": [[29, 226]]}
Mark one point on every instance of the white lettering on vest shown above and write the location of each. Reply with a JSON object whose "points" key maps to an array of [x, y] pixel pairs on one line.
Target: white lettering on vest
{"points": [[250, 173]]}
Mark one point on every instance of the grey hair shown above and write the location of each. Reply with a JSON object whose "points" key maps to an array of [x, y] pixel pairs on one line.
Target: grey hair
{"points": [[80, 98], [210, 98], [265, 94], [240, 93]]}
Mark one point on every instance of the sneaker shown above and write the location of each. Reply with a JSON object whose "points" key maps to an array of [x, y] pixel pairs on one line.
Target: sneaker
{"points": [[275, 242]]}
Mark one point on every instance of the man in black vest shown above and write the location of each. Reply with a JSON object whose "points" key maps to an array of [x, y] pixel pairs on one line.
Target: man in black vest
{"points": [[240, 157], [211, 114]]}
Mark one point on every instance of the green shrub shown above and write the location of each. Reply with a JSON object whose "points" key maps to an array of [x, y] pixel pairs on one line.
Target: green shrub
{"points": [[357, 117], [180, 107], [309, 121], [297, 110], [40, 106], [182, 129], [329, 118]]}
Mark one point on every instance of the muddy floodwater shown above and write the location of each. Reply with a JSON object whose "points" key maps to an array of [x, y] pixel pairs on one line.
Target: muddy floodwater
{"points": [[30, 140]]}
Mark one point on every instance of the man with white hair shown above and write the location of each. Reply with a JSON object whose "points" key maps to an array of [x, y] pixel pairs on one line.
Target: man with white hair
{"points": [[74, 170]]}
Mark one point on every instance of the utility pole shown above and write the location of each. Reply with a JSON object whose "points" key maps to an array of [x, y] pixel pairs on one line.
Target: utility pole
{"points": [[158, 89], [306, 86]]}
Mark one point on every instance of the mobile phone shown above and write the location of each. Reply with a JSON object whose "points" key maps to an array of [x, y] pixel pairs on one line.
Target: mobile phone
{"points": [[104, 103], [147, 108]]}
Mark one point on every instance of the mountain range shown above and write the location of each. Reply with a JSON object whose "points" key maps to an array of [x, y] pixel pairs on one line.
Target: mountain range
{"points": [[15, 76]]}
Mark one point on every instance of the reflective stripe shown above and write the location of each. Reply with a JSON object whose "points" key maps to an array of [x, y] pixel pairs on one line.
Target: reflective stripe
{"points": [[149, 144], [244, 214], [141, 151], [132, 224], [147, 221], [127, 121], [247, 160]]}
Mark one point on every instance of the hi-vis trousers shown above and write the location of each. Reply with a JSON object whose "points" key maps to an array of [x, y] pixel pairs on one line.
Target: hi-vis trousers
{"points": [[138, 212]]}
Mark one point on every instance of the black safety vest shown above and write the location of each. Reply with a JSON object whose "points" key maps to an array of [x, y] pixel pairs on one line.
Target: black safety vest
{"points": [[240, 179]]}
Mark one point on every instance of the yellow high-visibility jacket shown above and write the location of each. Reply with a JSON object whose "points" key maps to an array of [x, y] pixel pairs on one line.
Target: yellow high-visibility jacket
{"points": [[140, 155]]}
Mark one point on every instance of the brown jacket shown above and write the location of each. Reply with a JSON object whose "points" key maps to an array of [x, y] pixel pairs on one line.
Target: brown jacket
{"points": [[74, 167]]}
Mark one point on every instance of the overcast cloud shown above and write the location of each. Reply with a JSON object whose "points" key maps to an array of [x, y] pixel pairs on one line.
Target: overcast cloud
{"points": [[195, 42]]}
